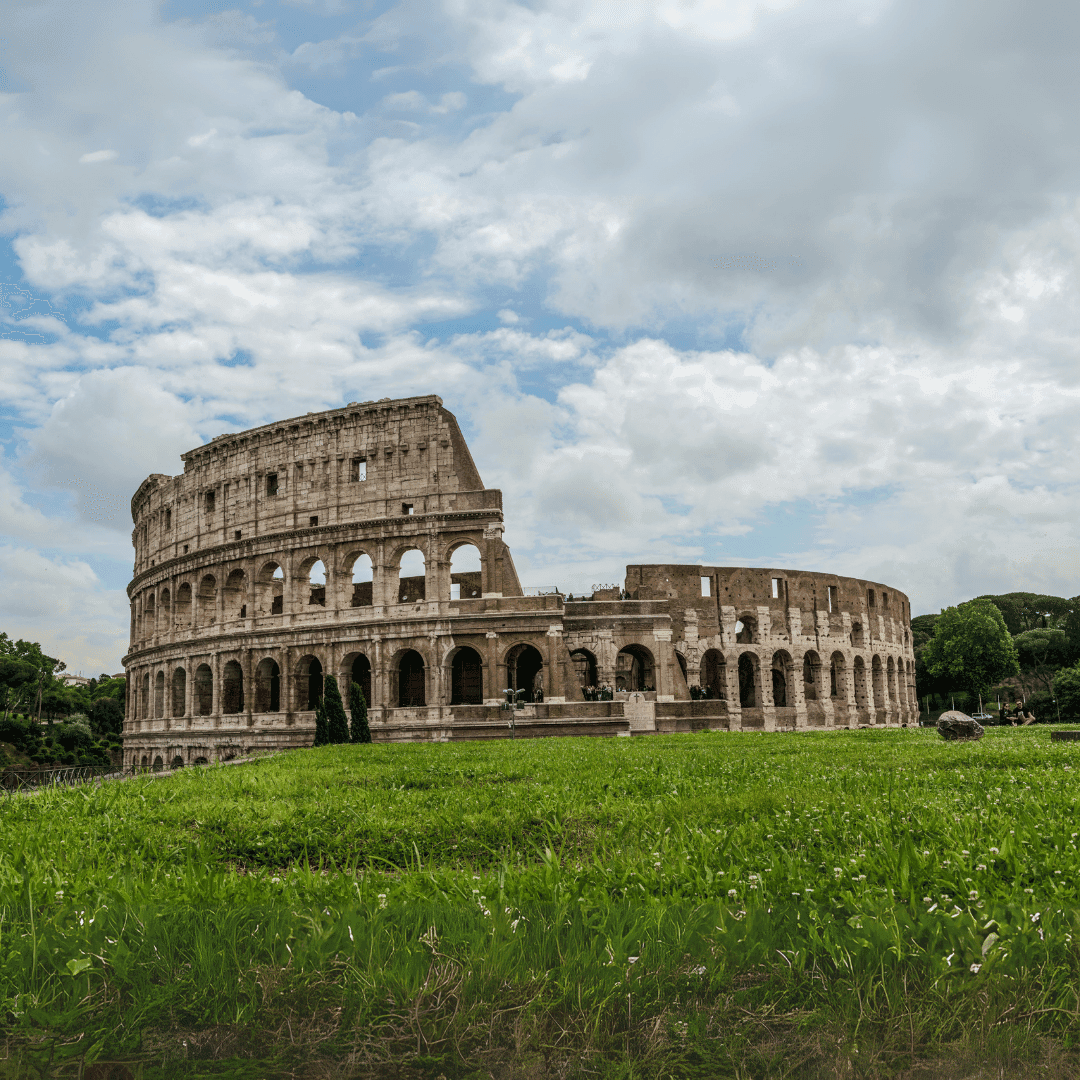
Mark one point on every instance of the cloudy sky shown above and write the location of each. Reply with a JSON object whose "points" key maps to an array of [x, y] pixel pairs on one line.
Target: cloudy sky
{"points": [[788, 284]]}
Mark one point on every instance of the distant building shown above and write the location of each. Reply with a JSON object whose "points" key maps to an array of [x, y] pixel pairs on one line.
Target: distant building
{"points": [[68, 678], [329, 544]]}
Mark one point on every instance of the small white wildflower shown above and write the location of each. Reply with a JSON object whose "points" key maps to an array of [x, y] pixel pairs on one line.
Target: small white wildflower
{"points": [[965, 852], [382, 900], [993, 851], [927, 900], [926, 852], [732, 892], [981, 866], [862, 877], [60, 894], [1031, 891], [1035, 917], [973, 895], [974, 969]]}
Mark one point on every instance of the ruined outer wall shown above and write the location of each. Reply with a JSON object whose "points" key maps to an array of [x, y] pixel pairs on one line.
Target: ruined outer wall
{"points": [[842, 645]]}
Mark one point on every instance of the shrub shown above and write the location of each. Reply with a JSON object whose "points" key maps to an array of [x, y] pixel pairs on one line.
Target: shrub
{"points": [[107, 716], [74, 738], [320, 725], [337, 727], [1067, 689], [22, 734], [1042, 705], [360, 732]]}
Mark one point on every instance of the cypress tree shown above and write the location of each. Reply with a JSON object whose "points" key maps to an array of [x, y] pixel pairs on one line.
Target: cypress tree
{"points": [[337, 727], [360, 732], [320, 725]]}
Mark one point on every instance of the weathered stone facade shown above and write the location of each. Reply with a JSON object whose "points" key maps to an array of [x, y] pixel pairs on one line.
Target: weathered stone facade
{"points": [[231, 636]]}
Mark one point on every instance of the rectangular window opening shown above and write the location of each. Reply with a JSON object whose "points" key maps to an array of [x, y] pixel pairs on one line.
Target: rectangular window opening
{"points": [[314, 519], [706, 586], [406, 508], [832, 599], [209, 502], [884, 599], [776, 588], [455, 592], [359, 469], [168, 519], [238, 534], [870, 597], [271, 483], [185, 549]]}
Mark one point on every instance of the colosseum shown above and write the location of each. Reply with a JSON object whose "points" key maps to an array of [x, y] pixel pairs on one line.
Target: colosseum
{"points": [[361, 542]]}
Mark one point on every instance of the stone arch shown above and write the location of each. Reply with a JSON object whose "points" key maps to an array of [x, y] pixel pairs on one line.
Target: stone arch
{"points": [[746, 629], [811, 675], [714, 674], [525, 670], [635, 668], [201, 761], [149, 616], [859, 671], [204, 691], [411, 679], [837, 673], [858, 635], [878, 682], [466, 571], [268, 686], [182, 606], [158, 763], [207, 600], [683, 667], [466, 677], [411, 565], [355, 668], [177, 762], [309, 682], [144, 697], [159, 694], [179, 692], [360, 569], [270, 589], [232, 688], [749, 680], [165, 607], [890, 681], [783, 691], [313, 571], [585, 668], [234, 597]]}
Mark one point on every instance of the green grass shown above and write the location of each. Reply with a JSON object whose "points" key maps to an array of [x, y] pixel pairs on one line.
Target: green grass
{"points": [[822, 904]]}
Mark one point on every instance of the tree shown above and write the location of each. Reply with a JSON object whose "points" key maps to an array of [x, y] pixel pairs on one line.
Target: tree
{"points": [[17, 679], [972, 647], [107, 716], [320, 725], [922, 630], [1067, 692], [360, 732], [1032, 611], [337, 727], [1041, 653]]}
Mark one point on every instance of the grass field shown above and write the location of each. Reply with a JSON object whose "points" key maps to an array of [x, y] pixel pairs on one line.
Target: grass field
{"points": [[824, 904]]}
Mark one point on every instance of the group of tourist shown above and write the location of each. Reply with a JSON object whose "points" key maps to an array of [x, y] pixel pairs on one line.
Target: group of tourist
{"points": [[597, 693], [1016, 715]]}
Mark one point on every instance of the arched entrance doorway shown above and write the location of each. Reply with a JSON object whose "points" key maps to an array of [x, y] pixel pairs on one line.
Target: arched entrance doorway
{"points": [[525, 671], [411, 680], [585, 668], [360, 673], [748, 697], [466, 678], [634, 669]]}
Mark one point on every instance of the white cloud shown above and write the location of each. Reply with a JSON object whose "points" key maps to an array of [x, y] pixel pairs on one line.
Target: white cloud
{"points": [[96, 156]]}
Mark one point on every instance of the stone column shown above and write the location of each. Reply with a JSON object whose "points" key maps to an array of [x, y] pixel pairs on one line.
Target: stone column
{"points": [[665, 659], [798, 688], [189, 690], [493, 691], [492, 561], [285, 685], [215, 670], [849, 690], [249, 686]]}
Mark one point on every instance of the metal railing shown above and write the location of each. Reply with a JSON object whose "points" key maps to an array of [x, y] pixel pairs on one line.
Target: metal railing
{"points": [[19, 777]]}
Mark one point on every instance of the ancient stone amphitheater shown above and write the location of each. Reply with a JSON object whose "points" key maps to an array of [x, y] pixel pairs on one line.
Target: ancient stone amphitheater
{"points": [[361, 542]]}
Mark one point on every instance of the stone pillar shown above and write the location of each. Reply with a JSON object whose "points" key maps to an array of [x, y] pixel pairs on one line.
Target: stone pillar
{"points": [[731, 686], [555, 688], [249, 685], [663, 664], [849, 691], [798, 687], [189, 690], [492, 561], [215, 670], [493, 691], [285, 685]]}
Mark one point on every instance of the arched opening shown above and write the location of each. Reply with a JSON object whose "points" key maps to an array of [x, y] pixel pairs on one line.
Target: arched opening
{"points": [[149, 616], [682, 667], [714, 674], [204, 690], [165, 609], [837, 672], [525, 671], [811, 675], [234, 599], [232, 689], [360, 673], [158, 764], [466, 678], [466, 579], [859, 671], [207, 600], [179, 692], [748, 670], [159, 694], [634, 669], [363, 577], [890, 674], [411, 691], [144, 697], [411, 575], [270, 590], [177, 762], [857, 641], [200, 761], [182, 607], [316, 576], [746, 630], [309, 682], [781, 680], [585, 669], [879, 683], [268, 686], [145, 762]]}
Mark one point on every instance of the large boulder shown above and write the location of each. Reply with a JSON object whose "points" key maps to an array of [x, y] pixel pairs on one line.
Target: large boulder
{"points": [[954, 725]]}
